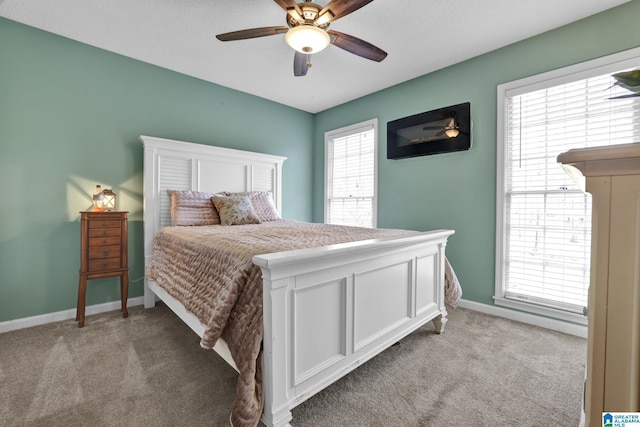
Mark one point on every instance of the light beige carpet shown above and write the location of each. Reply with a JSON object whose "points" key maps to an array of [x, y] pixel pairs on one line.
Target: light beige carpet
{"points": [[148, 370]]}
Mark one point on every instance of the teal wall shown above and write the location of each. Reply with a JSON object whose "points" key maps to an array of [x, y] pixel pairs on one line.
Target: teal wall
{"points": [[70, 116], [457, 190]]}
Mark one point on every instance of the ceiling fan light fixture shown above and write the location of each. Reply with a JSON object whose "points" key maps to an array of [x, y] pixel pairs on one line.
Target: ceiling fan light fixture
{"points": [[307, 38]]}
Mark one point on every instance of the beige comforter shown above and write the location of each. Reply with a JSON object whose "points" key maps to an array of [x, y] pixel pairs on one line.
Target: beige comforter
{"points": [[209, 269]]}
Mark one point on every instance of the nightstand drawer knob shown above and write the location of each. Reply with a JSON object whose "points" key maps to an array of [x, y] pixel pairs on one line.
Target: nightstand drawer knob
{"points": [[105, 253], [105, 233], [105, 224]]}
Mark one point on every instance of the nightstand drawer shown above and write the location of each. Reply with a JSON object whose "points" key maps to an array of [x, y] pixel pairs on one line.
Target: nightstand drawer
{"points": [[104, 223], [104, 264], [103, 241], [104, 232], [104, 252]]}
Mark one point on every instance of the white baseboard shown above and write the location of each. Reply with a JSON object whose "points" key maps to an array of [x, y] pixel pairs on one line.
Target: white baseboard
{"points": [[519, 316], [531, 319], [27, 322]]}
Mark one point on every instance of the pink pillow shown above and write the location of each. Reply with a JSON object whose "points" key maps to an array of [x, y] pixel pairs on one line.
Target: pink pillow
{"points": [[192, 208], [262, 202]]}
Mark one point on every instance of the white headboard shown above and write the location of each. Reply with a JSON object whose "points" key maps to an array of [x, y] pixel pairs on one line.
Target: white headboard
{"points": [[179, 165]]}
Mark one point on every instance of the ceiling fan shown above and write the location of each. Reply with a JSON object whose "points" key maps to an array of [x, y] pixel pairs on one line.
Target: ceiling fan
{"points": [[449, 127], [307, 31], [439, 128]]}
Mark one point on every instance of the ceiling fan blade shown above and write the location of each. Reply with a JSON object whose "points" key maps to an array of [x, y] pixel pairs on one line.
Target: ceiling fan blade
{"points": [[288, 4], [251, 33], [300, 64], [357, 46], [292, 8], [340, 8]]}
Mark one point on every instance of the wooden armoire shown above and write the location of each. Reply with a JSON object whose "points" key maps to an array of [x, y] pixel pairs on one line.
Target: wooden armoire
{"points": [[612, 176]]}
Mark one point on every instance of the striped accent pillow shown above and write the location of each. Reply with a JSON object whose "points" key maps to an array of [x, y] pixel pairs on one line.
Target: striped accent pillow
{"points": [[192, 208]]}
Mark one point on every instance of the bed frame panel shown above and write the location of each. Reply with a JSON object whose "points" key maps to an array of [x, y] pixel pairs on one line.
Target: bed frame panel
{"points": [[326, 310]]}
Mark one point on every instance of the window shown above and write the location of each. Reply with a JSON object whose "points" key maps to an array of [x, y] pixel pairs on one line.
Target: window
{"points": [[351, 175], [543, 229]]}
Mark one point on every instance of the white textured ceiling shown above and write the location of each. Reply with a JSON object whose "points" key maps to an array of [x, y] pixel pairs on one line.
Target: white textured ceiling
{"points": [[420, 36]]}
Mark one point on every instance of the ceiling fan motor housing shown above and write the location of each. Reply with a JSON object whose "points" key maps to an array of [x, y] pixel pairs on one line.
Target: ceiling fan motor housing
{"points": [[305, 34], [309, 15]]}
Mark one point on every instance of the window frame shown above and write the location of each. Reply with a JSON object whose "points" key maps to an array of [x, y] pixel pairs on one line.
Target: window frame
{"points": [[584, 70], [344, 131]]}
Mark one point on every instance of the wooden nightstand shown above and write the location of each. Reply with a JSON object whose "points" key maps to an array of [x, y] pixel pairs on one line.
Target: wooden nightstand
{"points": [[103, 254]]}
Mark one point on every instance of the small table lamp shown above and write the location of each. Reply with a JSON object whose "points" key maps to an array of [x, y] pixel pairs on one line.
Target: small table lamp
{"points": [[109, 201]]}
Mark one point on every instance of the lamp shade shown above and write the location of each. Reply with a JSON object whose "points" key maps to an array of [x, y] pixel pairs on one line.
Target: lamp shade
{"points": [[307, 38]]}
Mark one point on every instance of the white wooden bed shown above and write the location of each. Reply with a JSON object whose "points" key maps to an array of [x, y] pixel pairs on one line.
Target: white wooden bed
{"points": [[326, 310]]}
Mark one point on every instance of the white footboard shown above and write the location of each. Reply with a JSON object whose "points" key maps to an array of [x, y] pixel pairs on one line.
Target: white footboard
{"points": [[328, 310]]}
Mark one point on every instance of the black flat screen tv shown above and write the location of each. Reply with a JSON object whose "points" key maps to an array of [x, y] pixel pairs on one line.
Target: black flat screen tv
{"points": [[433, 132]]}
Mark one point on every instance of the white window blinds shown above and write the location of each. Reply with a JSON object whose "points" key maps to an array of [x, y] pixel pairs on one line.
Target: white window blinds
{"points": [[350, 189], [547, 218]]}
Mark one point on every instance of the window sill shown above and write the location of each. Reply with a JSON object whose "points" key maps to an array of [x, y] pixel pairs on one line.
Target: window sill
{"points": [[541, 310]]}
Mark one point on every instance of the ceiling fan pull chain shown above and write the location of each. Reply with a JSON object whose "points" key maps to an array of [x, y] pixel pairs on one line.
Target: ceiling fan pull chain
{"points": [[308, 61]]}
